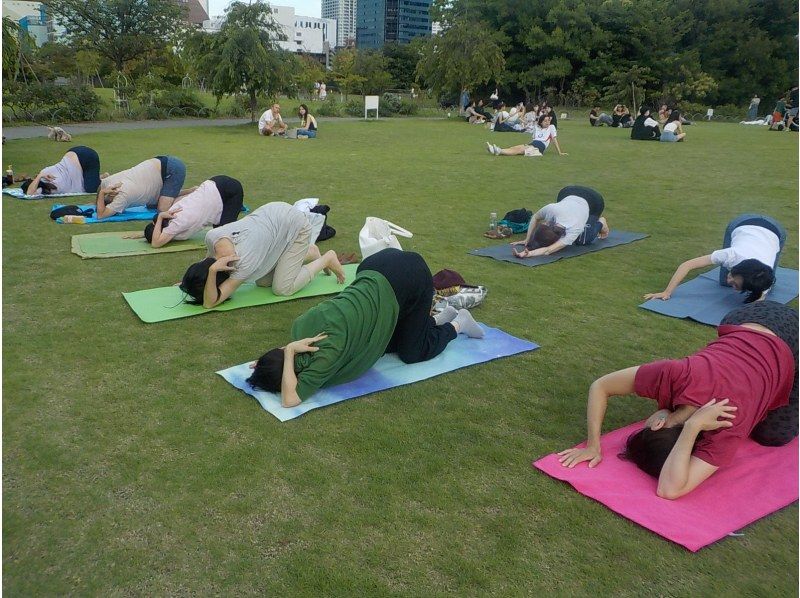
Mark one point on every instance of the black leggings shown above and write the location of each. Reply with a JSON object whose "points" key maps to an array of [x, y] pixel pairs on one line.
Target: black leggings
{"points": [[90, 165], [232, 194], [416, 336], [780, 426], [592, 197]]}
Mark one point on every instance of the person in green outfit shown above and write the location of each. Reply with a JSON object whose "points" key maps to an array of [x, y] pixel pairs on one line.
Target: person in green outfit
{"points": [[385, 310]]}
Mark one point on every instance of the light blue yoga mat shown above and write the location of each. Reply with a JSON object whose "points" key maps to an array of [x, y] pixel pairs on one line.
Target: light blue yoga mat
{"points": [[389, 372], [504, 253], [704, 300], [17, 192], [134, 213]]}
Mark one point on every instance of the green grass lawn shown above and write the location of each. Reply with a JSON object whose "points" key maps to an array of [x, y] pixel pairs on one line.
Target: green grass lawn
{"points": [[130, 468]]}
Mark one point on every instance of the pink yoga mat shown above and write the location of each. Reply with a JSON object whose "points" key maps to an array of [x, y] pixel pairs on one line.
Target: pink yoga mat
{"points": [[761, 481]]}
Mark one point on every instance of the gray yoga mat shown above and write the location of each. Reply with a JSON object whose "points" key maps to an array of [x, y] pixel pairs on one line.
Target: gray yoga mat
{"points": [[704, 300], [503, 251]]}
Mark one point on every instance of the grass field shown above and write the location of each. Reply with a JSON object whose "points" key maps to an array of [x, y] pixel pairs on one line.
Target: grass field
{"points": [[130, 468]]}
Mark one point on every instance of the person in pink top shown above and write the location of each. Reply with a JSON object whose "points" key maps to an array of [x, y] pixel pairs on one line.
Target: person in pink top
{"points": [[740, 385]]}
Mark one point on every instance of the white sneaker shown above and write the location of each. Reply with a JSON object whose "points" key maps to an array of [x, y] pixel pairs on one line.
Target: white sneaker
{"points": [[489, 148], [496, 149]]}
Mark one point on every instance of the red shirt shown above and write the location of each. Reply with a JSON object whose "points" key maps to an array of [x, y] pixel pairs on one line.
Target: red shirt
{"points": [[752, 369]]}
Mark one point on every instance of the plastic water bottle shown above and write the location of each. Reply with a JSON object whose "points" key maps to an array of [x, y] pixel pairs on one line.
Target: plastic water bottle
{"points": [[493, 221], [9, 175], [73, 219]]}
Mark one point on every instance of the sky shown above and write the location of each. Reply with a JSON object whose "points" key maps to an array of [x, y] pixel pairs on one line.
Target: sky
{"points": [[306, 8]]}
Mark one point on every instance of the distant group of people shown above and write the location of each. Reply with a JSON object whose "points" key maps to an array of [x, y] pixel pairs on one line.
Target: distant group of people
{"points": [[619, 117], [784, 116], [320, 90], [666, 125], [271, 123]]}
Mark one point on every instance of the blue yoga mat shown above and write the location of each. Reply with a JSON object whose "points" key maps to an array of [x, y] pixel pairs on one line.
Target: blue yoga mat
{"points": [[704, 300], [134, 213], [17, 192], [503, 252], [389, 372]]}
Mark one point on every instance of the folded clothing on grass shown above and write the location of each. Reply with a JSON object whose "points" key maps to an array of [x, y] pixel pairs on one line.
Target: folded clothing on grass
{"points": [[760, 481], [17, 192], [388, 372]]}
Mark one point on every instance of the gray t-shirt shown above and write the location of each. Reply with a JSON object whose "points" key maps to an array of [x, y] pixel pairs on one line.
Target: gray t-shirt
{"points": [[260, 238], [572, 213], [67, 174], [141, 185]]}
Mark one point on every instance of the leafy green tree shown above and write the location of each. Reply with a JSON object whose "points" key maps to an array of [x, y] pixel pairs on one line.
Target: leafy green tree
{"points": [[309, 71], [401, 61], [371, 66], [120, 30], [243, 55], [344, 72], [11, 48], [463, 56]]}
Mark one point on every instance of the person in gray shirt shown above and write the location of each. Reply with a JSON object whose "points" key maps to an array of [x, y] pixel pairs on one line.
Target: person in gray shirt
{"points": [[270, 247], [574, 219]]}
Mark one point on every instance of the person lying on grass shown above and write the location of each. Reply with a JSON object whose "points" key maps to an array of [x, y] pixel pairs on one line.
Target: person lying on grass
{"points": [[214, 202], [741, 384], [385, 310], [543, 133], [751, 249], [271, 246], [574, 219], [77, 172], [154, 182]]}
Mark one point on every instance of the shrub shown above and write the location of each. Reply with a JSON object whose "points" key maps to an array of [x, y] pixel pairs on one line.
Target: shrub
{"points": [[46, 102], [390, 104], [408, 108], [354, 108], [178, 100], [330, 108]]}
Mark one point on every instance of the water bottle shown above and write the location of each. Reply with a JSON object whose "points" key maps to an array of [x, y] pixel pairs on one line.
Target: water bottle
{"points": [[73, 219], [493, 221], [9, 176]]}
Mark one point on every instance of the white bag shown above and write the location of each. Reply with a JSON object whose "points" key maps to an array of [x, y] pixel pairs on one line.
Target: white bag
{"points": [[378, 234], [531, 151]]}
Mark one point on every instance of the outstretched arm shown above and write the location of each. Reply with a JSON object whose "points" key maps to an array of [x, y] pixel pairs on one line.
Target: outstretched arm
{"points": [[617, 383], [531, 226], [557, 246], [558, 147], [680, 274]]}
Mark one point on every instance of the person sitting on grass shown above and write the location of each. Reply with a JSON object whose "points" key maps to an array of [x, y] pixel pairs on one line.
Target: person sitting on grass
{"points": [[574, 219], [269, 246], [645, 128], [673, 130], [77, 172], [155, 183], [741, 384], [271, 122], [543, 134], [481, 109], [214, 202], [473, 117], [308, 124], [501, 115], [751, 249], [386, 309], [598, 118]]}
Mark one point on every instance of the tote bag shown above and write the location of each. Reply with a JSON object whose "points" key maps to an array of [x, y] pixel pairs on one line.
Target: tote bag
{"points": [[378, 234]]}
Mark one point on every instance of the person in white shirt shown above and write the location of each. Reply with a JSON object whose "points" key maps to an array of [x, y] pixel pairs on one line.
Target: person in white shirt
{"points": [[574, 219], [673, 131], [751, 249], [271, 122], [323, 91], [543, 134]]}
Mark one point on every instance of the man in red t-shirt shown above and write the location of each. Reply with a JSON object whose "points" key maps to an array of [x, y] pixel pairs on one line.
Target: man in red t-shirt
{"points": [[708, 402]]}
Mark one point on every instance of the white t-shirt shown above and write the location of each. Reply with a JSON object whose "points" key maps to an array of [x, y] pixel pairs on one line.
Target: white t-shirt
{"points": [[672, 126], [67, 175], [749, 242], [501, 116], [141, 185], [198, 209], [545, 136], [649, 122], [267, 118], [572, 213]]}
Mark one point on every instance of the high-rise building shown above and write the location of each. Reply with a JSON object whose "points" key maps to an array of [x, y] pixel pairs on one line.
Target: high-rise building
{"points": [[344, 11], [381, 22]]}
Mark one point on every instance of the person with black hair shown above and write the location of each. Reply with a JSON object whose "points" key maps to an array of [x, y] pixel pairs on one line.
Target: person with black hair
{"points": [[155, 182], [740, 385], [386, 309], [214, 202], [673, 129], [574, 219], [77, 172], [271, 246], [751, 250], [645, 128]]}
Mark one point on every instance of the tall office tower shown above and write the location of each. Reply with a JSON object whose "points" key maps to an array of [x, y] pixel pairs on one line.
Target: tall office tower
{"points": [[344, 11], [381, 22]]}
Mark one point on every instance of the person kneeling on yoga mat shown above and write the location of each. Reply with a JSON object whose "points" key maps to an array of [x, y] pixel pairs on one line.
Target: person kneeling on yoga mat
{"points": [[214, 202], [741, 384], [573, 220], [270, 246], [154, 182], [77, 172], [751, 250], [385, 310]]}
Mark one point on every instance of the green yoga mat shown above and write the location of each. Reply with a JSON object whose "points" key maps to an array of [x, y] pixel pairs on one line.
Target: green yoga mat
{"points": [[165, 303], [94, 245]]}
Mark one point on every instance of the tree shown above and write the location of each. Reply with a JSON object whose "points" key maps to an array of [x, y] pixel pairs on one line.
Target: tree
{"points": [[344, 72], [465, 55], [370, 65], [401, 61], [120, 30], [11, 48], [244, 54]]}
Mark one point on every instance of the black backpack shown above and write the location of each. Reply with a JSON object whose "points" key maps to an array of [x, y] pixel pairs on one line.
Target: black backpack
{"points": [[57, 213]]}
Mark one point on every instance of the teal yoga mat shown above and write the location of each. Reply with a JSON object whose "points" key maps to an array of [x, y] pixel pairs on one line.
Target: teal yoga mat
{"points": [[166, 303]]}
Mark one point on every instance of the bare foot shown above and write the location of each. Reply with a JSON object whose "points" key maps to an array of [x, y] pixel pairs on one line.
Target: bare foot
{"points": [[604, 230], [332, 262]]}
